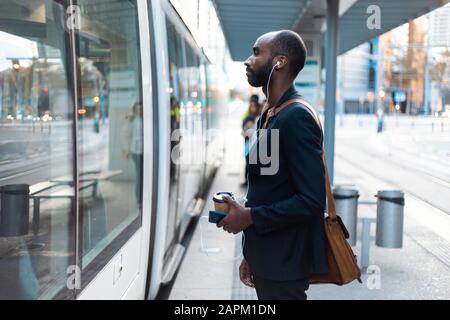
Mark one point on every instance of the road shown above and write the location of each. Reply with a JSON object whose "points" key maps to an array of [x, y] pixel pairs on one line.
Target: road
{"points": [[34, 154], [409, 154]]}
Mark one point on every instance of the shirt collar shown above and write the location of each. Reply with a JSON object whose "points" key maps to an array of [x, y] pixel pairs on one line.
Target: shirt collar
{"points": [[285, 97]]}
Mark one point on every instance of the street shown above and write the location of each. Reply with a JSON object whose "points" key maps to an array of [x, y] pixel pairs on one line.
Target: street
{"points": [[407, 155]]}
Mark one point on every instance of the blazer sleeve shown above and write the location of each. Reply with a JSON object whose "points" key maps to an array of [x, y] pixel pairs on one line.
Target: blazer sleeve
{"points": [[301, 144]]}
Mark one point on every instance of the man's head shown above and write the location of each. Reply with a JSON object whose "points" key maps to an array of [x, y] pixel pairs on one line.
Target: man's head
{"points": [[285, 47], [254, 97], [253, 107]]}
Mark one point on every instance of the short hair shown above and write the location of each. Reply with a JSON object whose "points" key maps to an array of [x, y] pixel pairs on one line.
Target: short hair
{"points": [[291, 45]]}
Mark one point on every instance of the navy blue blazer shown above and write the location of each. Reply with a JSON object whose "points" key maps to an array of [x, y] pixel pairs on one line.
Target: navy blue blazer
{"points": [[287, 238]]}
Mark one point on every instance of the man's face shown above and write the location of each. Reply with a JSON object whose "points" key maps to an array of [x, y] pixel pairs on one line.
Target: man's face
{"points": [[259, 64]]}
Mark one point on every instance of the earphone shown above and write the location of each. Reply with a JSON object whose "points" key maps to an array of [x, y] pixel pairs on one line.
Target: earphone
{"points": [[276, 65]]}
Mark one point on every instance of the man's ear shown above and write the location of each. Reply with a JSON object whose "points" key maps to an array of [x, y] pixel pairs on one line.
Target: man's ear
{"points": [[279, 62]]}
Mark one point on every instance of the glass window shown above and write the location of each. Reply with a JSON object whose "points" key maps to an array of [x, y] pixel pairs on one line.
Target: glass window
{"points": [[191, 119], [176, 92], [36, 152], [110, 128]]}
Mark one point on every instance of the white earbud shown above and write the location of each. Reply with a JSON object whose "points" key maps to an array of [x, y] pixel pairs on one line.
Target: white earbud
{"points": [[276, 66]]}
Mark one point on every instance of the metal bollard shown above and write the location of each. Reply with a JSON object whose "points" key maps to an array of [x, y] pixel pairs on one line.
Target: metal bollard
{"points": [[14, 212], [390, 207], [346, 200]]}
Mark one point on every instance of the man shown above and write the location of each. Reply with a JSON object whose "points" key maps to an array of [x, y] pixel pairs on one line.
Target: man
{"points": [[247, 125], [283, 218]]}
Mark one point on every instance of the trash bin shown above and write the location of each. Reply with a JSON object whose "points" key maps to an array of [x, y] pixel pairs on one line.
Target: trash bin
{"points": [[346, 200], [390, 205], [14, 210]]}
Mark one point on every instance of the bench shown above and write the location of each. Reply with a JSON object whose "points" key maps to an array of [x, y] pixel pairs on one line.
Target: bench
{"points": [[89, 176], [87, 179], [41, 186], [37, 192]]}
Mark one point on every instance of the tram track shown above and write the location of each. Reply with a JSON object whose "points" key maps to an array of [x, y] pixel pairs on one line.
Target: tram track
{"points": [[398, 184]]}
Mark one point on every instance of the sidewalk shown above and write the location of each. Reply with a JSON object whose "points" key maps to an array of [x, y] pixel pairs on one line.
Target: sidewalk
{"points": [[208, 267], [419, 270]]}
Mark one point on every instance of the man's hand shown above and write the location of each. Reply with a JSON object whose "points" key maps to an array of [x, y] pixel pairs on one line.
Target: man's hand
{"points": [[237, 219], [245, 273]]}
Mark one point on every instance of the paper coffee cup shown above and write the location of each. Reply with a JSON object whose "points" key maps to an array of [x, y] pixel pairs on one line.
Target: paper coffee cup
{"points": [[219, 203]]}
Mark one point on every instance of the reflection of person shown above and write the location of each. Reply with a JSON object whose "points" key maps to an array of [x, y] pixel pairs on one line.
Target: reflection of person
{"points": [[104, 92], [135, 146], [283, 220], [174, 113], [247, 125], [43, 104]]}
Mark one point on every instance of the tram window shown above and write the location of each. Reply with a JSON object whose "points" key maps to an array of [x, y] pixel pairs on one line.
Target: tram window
{"points": [[176, 92], [110, 127], [36, 152], [192, 145]]}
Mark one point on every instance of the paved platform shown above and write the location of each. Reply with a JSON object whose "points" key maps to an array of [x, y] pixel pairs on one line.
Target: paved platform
{"points": [[208, 267], [419, 270]]}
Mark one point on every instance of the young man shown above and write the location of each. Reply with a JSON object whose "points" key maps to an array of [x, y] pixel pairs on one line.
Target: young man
{"points": [[284, 212]]}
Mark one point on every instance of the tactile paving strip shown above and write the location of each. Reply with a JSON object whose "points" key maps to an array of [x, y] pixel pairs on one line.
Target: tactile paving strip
{"points": [[240, 291], [431, 242]]}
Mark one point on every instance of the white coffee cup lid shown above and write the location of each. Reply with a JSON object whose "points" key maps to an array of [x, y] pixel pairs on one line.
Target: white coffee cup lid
{"points": [[218, 196]]}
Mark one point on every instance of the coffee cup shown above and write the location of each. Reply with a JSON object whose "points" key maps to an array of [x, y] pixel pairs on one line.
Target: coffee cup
{"points": [[219, 202]]}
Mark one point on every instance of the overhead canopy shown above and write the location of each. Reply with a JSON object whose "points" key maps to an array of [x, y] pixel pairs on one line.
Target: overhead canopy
{"points": [[244, 21], [393, 14]]}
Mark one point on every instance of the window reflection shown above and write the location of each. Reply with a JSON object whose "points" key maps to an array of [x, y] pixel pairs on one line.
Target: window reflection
{"points": [[36, 152], [176, 92], [192, 146], [187, 104], [109, 125]]}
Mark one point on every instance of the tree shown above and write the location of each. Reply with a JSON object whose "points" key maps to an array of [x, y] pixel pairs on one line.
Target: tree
{"points": [[440, 73]]}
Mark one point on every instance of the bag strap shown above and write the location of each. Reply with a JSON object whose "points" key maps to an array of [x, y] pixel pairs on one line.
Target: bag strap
{"points": [[272, 112], [331, 210]]}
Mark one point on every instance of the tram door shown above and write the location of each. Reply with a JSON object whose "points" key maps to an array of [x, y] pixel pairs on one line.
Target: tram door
{"points": [[176, 92]]}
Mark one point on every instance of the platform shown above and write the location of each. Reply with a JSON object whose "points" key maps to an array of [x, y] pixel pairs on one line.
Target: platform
{"points": [[419, 270]]}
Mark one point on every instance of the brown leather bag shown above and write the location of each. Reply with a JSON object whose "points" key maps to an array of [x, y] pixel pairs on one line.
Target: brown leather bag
{"points": [[342, 264]]}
